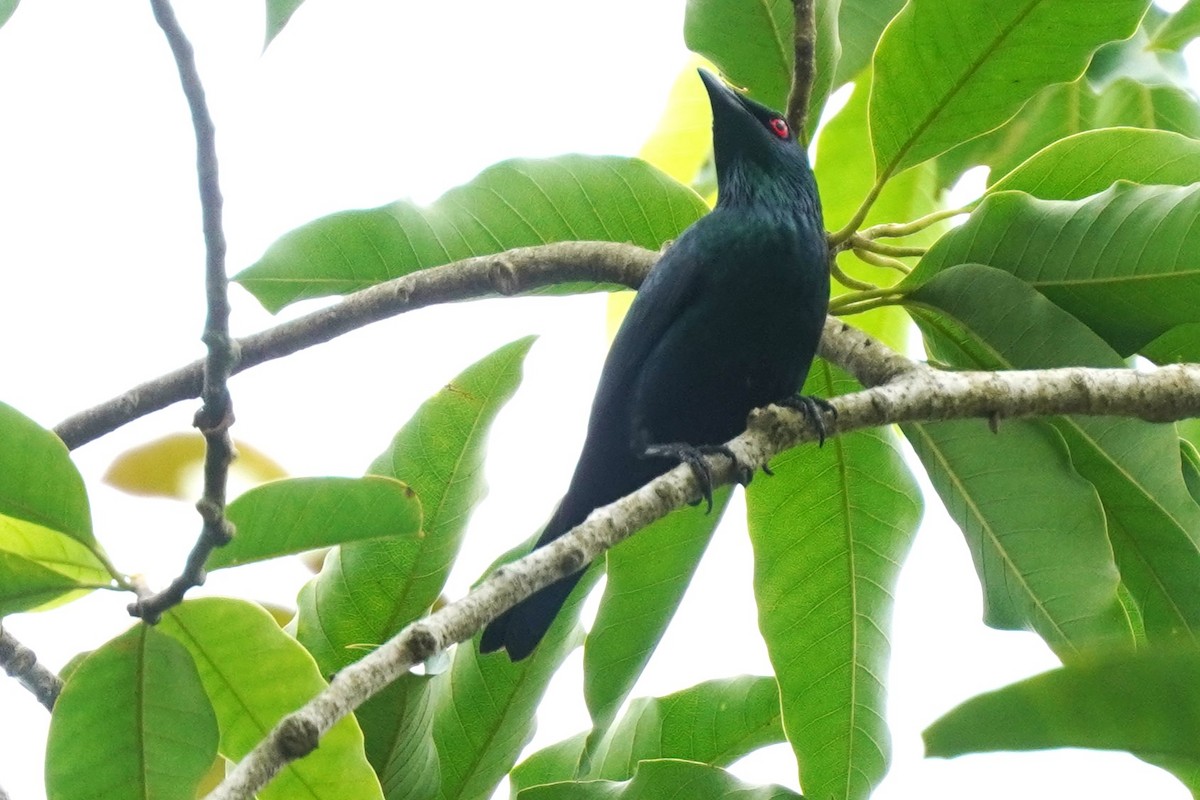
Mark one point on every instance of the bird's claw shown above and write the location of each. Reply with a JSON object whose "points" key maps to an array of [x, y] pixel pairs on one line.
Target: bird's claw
{"points": [[694, 457], [813, 408]]}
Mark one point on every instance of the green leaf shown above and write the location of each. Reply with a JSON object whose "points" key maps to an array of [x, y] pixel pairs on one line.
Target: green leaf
{"points": [[751, 43], [367, 591], [1066, 109], [255, 674], [1131, 102], [661, 779], [647, 576], [1123, 261], [290, 516], [1134, 465], [132, 722], [1190, 463], [278, 14], [1179, 345], [949, 70], [39, 566], [515, 203], [716, 722], [486, 704], [38, 481], [1135, 57], [1182, 27], [397, 726], [829, 531], [860, 24], [1146, 702], [1088, 163], [7, 7], [846, 171], [1045, 563]]}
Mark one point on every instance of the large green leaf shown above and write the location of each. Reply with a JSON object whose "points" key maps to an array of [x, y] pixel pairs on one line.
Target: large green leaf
{"points": [[1153, 522], [485, 705], [751, 43], [39, 566], [1088, 163], [1163, 107], [949, 70], [367, 591], [1045, 562], [1126, 261], [829, 531], [254, 674], [716, 722], [1182, 27], [1146, 702], [38, 482], [845, 171], [647, 576], [397, 726], [515, 203], [132, 722], [1066, 109], [663, 779], [291, 516], [860, 24]]}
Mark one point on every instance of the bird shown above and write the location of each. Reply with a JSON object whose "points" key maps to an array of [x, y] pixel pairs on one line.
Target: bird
{"points": [[727, 320]]}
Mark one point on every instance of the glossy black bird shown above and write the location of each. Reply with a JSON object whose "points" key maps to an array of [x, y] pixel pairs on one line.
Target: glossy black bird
{"points": [[728, 320]]}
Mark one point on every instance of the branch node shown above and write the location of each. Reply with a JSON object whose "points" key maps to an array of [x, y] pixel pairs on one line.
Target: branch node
{"points": [[296, 737], [422, 643], [504, 276]]}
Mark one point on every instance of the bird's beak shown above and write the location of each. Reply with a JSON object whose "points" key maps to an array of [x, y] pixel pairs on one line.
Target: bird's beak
{"points": [[721, 97]]}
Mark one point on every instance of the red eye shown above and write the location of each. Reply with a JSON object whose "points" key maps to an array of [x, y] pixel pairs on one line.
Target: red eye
{"points": [[779, 128]]}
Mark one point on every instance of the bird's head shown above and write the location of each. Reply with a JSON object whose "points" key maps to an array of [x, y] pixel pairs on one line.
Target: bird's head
{"points": [[755, 149]]}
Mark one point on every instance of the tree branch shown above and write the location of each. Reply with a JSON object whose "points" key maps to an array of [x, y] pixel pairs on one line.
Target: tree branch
{"points": [[22, 663], [901, 391], [804, 44], [216, 411], [509, 273]]}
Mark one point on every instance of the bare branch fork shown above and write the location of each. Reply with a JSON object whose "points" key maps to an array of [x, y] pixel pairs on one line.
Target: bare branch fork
{"points": [[216, 412]]}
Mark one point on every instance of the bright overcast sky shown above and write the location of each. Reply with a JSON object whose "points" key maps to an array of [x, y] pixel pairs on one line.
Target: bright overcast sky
{"points": [[359, 102]]}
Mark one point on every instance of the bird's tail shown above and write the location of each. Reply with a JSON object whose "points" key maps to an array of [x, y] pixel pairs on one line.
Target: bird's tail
{"points": [[519, 629]]}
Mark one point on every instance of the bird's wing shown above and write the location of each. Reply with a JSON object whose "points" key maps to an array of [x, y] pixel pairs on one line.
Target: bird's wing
{"points": [[672, 286]]}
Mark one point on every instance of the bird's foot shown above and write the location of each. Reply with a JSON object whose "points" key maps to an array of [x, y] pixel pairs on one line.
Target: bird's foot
{"points": [[814, 409], [694, 457]]}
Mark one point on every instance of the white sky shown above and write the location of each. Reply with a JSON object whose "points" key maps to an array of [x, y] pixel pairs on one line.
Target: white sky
{"points": [[357, 103]]}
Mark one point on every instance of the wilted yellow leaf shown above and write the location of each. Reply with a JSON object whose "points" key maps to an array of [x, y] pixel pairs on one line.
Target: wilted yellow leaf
{"points": [[171, 466]]}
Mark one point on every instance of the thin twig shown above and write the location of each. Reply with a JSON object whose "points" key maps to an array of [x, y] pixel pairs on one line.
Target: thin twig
{"points": [[846, 280], [22, 663], [804, 43], [860, 242], [877, 260], [836, 304], [216, 412], [893, 230]]}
